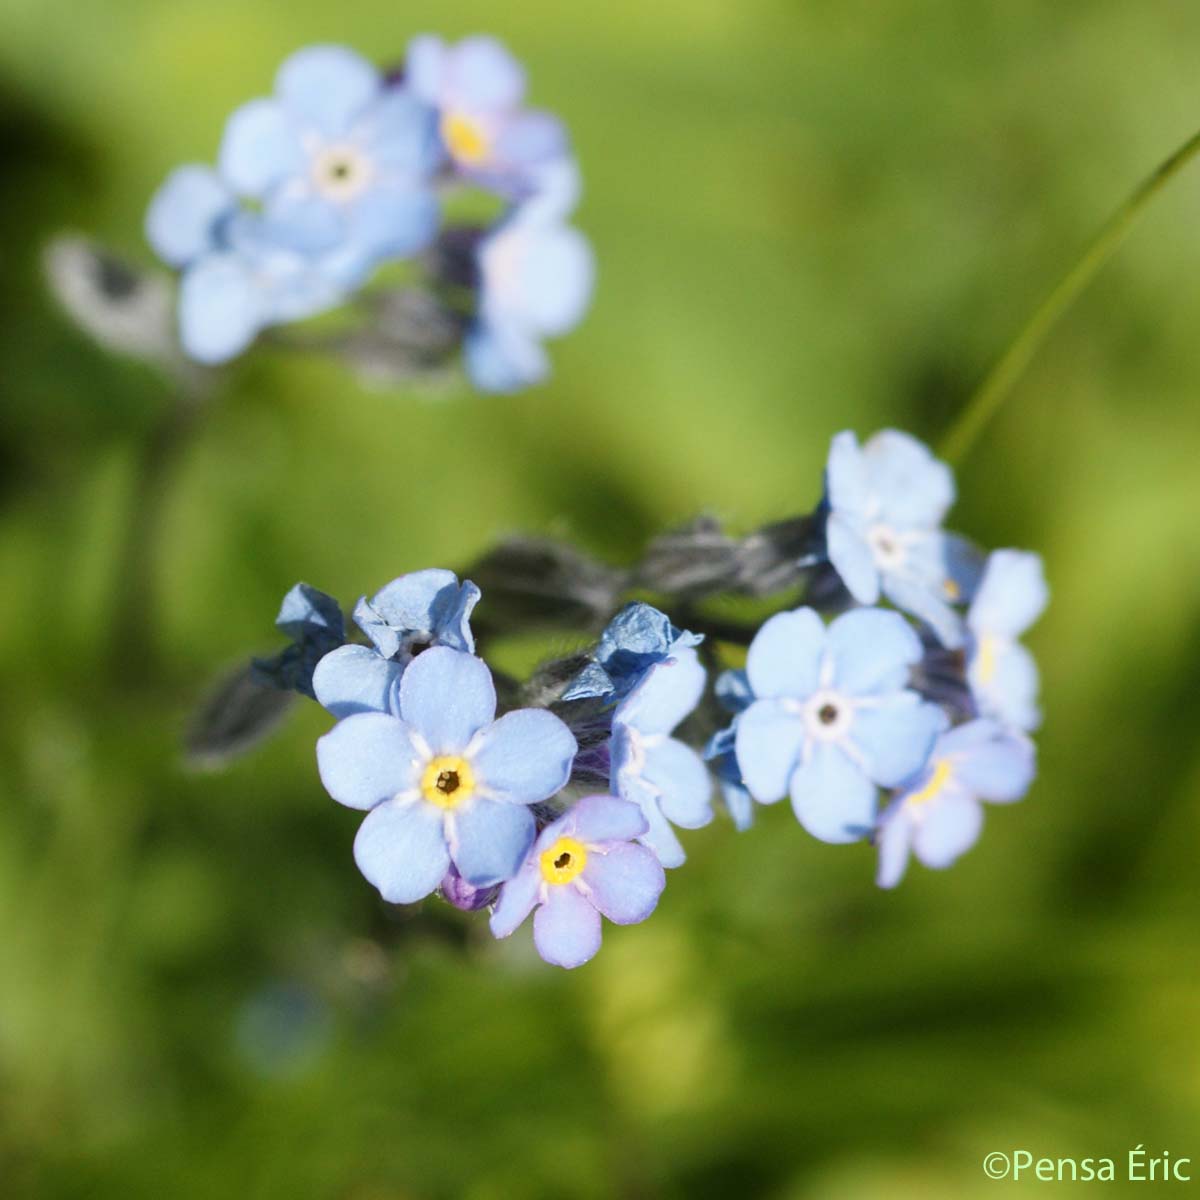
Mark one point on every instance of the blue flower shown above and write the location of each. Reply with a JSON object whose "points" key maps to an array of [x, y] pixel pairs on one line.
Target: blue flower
{"points": [[582, 866], [408, 615], [937, 816], [535, 281], [666, 779], [339, 169], [1001, 672], [885, 504], [832, 717], [338, 158], [633, 641], [478, 89], [314, 623], [443, 781]]}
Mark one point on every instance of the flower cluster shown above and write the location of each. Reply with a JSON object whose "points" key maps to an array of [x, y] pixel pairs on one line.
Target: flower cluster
{"points": [[346, 168], [564, 797]]}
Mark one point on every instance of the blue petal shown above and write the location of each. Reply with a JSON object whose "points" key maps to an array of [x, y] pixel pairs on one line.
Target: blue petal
{"points": [[517, 898], [785, 656], [490, 840], [831, 797], [668, 692], [738, 803], [851, 558], [261, 147], [990, 762], [524, 757], [660, 837], [566, 929], [447, 696], [401, 849], [355, 679], [681, 777], [537, 277], [871, 650], [927, 602], [425, 67], [1009, 687], [366, 759], [530, 138], [892, 839], [1011, 595], [845, 477], [303, 221], [625, 882], [328, 86], [503, 358], [604, 819], [422, 606], [895, 736], [182, 219], [552, 188], [482, 75], [947, 828], [394, 221], [912, 488], [307, 611], [220, 308], [768, 742], [400, 132], [733, 691]]}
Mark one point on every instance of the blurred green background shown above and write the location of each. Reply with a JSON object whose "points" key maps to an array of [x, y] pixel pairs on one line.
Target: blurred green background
{"points": [[807, 217]]}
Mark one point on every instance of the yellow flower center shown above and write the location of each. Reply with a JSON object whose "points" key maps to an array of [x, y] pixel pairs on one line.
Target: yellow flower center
{"points": [[952, 590], [939, 779], [448, 781], [563, 861], [465, 140], [987, 659]]}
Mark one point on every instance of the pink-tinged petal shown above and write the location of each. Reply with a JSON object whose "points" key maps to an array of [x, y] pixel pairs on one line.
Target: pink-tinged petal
{"points": [[566, 929], [625, 882], [605, 819], [517, 898]]}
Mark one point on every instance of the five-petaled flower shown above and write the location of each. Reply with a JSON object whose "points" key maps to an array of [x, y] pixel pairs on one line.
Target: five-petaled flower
{"points": [[832, 716], [444, 781], [583, 865], [410, 614], [1001, 672], [937, 815], [885, 503], [478, 90]]}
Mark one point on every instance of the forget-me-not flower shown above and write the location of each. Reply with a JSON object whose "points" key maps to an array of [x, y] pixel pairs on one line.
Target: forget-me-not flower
{"points": [[885, 502], [583, 865], [478, 90], [444, 781], [314, 623], [832, 716], [409, 615], [937, 816], [338, 157], [1000, 671], [535, 277], [664, 777]]}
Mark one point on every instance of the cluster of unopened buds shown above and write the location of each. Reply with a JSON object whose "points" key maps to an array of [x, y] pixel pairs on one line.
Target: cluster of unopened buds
{"points": [[888, 723], [348, 168]]}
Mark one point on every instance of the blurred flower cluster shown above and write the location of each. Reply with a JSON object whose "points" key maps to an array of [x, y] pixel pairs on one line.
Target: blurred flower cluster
{"points": [[564, 795], [347, 169]]}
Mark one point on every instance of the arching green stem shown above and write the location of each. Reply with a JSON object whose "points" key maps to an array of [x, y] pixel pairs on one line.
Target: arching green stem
{"points": [[999, 381]]}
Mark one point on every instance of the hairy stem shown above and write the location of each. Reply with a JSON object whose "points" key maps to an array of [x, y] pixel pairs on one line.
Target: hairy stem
{"points": [[999, 381]]}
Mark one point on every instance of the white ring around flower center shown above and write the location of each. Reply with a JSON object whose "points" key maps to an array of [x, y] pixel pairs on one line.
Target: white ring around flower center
{"points": [[341, 171], [887, 546], [828, 715]]}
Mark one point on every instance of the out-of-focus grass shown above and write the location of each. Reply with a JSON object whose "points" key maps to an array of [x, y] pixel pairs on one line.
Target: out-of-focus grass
{"points": [[807, 217]]}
